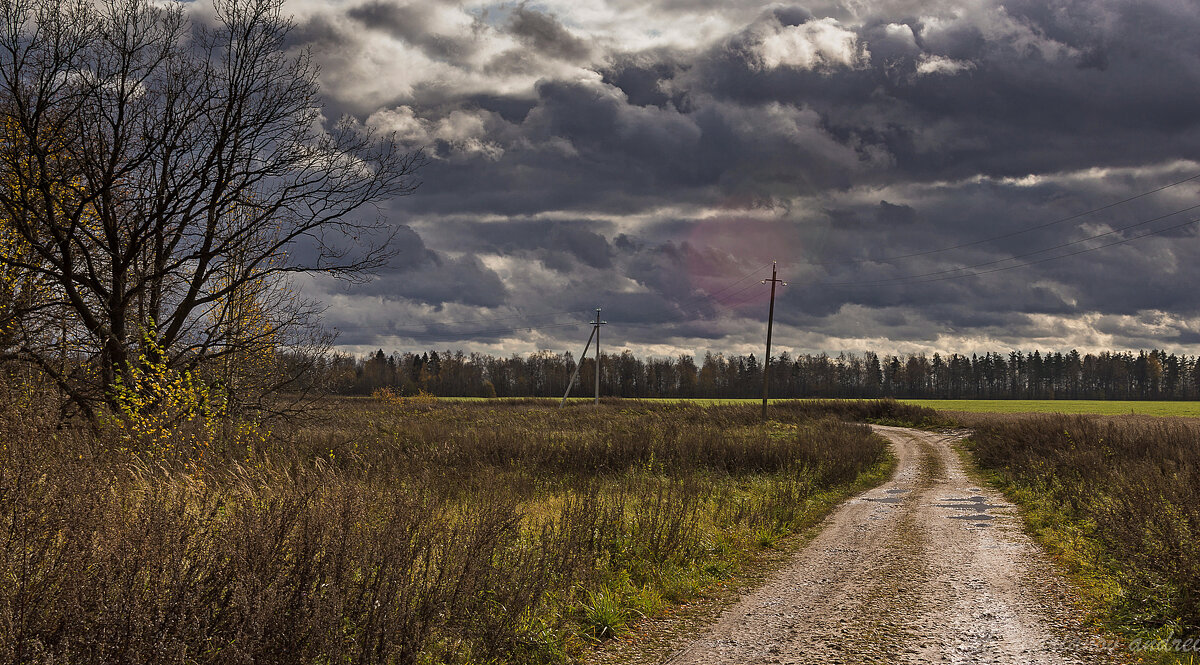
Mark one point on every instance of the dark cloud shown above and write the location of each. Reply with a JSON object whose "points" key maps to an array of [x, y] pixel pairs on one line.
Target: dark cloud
{"points": [[410, 23], [791, 16], [422, 275], [463, 280], [850, 143], [562, 245], [640, 77], [546, 35], [411, 252], [888, 214], [318, 33], [510, 109]]}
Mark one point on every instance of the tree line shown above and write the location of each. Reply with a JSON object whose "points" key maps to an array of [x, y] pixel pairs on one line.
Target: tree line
{"points": [[1144, 375]]}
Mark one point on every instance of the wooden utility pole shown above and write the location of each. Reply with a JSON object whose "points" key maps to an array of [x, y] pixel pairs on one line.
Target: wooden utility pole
{"points": [[770, 320], [597, 323]]}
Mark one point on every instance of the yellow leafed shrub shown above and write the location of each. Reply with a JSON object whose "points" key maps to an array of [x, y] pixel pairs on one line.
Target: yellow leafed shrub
{"points": [[169, 414], [390, 396]]}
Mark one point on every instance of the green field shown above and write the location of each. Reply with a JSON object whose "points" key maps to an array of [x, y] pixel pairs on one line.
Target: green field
{"points": [[1087, 406], [1084, 406], [1098, 407]]}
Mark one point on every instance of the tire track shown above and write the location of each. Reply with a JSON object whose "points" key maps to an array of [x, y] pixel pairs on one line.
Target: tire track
{"points": [[925, 568]]}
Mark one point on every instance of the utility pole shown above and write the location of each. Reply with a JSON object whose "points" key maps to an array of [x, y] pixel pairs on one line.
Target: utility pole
{"points": [[770, 320], [596, 336], [596, 326]]}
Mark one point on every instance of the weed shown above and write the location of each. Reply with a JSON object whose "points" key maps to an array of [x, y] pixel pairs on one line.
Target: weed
{"points": [[604, 615]]}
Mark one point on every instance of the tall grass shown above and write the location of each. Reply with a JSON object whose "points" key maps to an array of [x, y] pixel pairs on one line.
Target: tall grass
{"points": [[878, 411], [387, 533], [1122, 494]]}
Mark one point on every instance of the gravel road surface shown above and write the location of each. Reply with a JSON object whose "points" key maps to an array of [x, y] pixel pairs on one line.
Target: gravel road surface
{"points": [[927, 568]]}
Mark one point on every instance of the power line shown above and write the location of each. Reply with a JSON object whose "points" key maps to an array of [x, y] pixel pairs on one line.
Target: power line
{"points": [[430, 334], [919, 276], [731, 306], [942, 274], [471, 333], [1002, 236], [775, 281], [498, 319], [714, 294], [1063, 256], [932, 278]]}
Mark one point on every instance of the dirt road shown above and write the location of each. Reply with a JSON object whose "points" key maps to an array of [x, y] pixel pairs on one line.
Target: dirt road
{"points": [[926, 568]]}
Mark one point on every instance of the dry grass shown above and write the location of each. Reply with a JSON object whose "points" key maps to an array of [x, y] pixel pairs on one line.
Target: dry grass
{"points": [[1119, 497], [413, 533]]}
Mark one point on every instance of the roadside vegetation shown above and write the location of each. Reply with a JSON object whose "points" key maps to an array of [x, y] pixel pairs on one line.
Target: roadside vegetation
{"points": [[1117, 500], [1068, 406], [396, 530]]}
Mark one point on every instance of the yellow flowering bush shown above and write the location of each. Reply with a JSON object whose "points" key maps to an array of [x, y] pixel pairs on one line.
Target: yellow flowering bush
{"points": [[390, 396]]}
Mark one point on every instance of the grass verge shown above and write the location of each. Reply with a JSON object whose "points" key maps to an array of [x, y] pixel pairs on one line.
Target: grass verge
{"points": [[656, 637], [1116, 504], [1065, 406]]}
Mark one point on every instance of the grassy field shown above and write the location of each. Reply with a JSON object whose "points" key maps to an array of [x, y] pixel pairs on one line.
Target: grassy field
{"points": [[1068, 406], [511, 531], [415, 532]]}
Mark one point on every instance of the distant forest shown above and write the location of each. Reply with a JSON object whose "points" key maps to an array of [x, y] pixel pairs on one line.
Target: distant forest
{"points": [[1152, 375]]}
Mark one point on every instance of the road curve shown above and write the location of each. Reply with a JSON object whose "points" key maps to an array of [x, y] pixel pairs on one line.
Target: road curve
{"points": [[927, 568]]}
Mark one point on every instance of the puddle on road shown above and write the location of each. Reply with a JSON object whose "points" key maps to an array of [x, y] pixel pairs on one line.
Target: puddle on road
{"points": [[892, 500], [976, 505]]}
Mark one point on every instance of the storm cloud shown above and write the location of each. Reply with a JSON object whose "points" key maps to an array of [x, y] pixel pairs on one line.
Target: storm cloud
{"points": [[929, 175]]}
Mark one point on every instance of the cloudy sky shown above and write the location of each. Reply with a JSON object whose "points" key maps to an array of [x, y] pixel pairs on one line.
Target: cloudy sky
{"points": [[930, 176]]}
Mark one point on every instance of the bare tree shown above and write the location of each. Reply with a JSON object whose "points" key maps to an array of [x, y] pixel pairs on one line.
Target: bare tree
{"points": [[164, 169]]}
